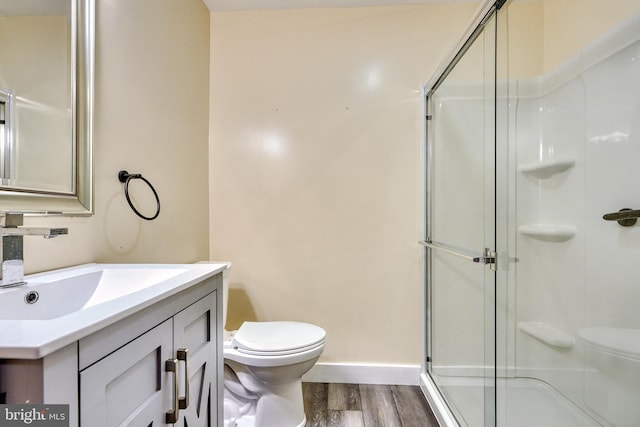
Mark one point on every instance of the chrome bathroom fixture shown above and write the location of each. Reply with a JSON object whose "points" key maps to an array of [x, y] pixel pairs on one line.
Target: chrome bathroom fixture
{"points": [[12, 248]]}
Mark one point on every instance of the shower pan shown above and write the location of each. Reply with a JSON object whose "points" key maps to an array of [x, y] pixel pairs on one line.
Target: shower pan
{"points": [[532, 140]]}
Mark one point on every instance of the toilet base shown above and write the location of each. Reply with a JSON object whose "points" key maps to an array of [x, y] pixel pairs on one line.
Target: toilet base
{"points": [[264, 397], [281, 405], [244, 421], [250, 421]]}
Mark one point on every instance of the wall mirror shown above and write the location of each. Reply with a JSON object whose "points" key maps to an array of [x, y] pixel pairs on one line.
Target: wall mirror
{"points": [[46, 106]]}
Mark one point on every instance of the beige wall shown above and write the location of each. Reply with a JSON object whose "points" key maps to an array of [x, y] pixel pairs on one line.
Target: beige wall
{"points": [[314, 163], [590, 19], [521, 40], [315, 168], [542, 34], [151, 117]]}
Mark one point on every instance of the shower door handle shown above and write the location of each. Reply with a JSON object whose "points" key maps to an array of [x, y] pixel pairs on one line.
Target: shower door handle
{"points": [[488, 257]]}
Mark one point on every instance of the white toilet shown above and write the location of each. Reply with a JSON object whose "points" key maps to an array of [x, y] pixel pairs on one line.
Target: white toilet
{"points": [[264, 364]]}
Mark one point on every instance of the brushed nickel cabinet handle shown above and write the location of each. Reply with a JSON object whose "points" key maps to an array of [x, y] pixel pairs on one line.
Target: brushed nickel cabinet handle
{"points": [[171, 365], [183, 354]]}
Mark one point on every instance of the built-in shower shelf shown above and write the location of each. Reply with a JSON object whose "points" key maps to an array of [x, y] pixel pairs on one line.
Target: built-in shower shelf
{"points": [[547, 169], [548, 232], [547, 334]]}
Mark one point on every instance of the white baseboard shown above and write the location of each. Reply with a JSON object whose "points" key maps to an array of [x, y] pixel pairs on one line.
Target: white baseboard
{"points": [[350, 373]]}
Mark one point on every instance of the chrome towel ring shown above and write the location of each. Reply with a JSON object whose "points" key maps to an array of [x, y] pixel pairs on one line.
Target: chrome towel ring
{"points": [[125, 177]]}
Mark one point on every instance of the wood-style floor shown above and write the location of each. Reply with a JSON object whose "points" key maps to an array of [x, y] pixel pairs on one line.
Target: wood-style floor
{"points": [[360, 405]]}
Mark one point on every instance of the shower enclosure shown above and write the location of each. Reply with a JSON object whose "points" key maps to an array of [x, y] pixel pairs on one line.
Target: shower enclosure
{"points": [[532, 253]]}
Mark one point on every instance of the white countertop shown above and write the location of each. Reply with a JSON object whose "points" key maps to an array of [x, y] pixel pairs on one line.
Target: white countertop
{"points": [[34, 339]]}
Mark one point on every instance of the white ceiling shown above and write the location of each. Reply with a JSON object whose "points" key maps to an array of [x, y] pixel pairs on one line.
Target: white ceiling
{"points": [[219, 5]]}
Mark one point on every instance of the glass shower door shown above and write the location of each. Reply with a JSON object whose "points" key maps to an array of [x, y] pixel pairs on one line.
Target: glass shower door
{"points": [[460, 234]]}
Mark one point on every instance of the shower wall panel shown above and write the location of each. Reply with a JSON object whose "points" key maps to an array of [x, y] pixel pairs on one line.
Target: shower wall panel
{"points": [[613, 154], [549, 271], [580, 125]]}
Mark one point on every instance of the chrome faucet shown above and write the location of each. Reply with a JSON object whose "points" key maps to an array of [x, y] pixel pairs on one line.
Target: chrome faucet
{"points": [[12, 233]]}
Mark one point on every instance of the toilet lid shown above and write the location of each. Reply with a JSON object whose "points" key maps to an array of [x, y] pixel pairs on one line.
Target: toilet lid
{"points": [[278, 337], [617, 340]]}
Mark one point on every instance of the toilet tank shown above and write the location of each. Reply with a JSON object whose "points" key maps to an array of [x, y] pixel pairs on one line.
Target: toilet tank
{"points": [[612, 375]]}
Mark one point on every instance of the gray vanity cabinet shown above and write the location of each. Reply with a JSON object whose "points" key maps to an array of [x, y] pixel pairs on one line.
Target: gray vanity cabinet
{"points": [[135, 384]]}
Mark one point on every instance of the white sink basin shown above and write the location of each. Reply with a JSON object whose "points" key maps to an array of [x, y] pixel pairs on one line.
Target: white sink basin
{"points": [[60, 294], [58, 307]]}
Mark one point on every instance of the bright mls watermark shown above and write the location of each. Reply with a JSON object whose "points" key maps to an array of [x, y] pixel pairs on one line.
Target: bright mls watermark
{"points": [[34, 415]]}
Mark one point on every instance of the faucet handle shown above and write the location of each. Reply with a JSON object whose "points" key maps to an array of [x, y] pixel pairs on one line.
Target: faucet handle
{"points": [[47, 233], [626, 217], [55, 232]]}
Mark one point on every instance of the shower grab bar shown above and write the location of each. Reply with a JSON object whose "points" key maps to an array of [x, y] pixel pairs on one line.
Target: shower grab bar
{"points": [[488, 257], [625, 217]]}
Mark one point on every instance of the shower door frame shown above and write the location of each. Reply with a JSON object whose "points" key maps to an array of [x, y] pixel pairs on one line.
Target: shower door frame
{"points": [[486, 12]]}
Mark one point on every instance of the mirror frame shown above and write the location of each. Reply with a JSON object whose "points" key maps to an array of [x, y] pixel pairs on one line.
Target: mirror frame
{"points": [[80, 201]]}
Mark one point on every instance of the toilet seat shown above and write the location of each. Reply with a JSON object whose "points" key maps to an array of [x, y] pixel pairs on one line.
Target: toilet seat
{"points": [[265, 361], [273, 344], [278, 353], [277, 338]]}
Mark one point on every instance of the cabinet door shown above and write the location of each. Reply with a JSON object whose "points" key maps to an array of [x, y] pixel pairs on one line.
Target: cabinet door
{"points": [[194, 331], [127, 388]]}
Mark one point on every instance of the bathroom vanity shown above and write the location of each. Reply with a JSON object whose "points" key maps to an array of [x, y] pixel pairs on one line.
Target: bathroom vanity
{"points": [[120, 344]]}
